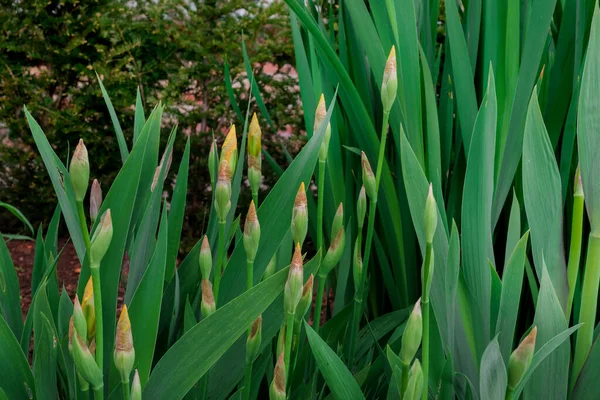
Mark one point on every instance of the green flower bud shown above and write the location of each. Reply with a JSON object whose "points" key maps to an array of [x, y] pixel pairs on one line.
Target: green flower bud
{"points": [[578, 184], [338, 221], [71, 332], [79, 319], [389, 85], [300, 216], [320, 114], [430, 215], [277, 388], [136, 387], [124, 354], [334, 253], [357, 265], [414, 387], [254, 137], [229, 151], [254, 155], [101, 239], [95, 200], [89, 309], [254, 340], [213, 162], [281, 339], [79, 171], [251, 233], [368, 178], [271, 267], [361, 207], [205, 259], [208, 305], [83, 384], [85, 363], [223, 192], [293, 287], [411, 339], [520, 359], [305, 299]]}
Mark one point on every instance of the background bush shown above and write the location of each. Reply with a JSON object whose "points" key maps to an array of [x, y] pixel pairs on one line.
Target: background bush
{"points": [[173, 50]]}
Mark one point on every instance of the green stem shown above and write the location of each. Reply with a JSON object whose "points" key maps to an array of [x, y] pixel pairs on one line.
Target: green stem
{"points": [[358, 295], [249, 274], [255, 198], [405, 368], [509, 394], [384, 133], [248, 381], [248, 378], [289, 333], [220, 254], [320, 197], [575, 249], [425, 310], [587, 313], [83, 225], [126, 393], [95, 269], [425, 349], [99, 392], [357, 312]]}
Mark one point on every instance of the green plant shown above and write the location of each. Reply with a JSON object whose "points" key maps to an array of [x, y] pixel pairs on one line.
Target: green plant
{"points": [[494, 319]]}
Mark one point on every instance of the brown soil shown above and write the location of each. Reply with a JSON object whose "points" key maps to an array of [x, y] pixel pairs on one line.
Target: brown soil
{"points": [[67, 268]]}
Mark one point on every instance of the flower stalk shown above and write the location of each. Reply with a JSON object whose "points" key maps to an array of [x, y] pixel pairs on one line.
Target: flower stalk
{"points": [[576, 234], [98, 248], [426, 279], [251, 242]]}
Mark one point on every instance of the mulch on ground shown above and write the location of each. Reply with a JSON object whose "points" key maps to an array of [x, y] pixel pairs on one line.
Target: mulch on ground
{"points": [[67, 268]]}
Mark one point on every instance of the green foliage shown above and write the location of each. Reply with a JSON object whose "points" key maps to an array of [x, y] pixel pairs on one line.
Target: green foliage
{"points": [[172, 50], [471, 123]]}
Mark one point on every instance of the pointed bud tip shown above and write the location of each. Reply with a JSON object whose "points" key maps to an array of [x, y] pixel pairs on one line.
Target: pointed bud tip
{"points": [[251, 216], [297, 258], [300, 200], [308, 286]]}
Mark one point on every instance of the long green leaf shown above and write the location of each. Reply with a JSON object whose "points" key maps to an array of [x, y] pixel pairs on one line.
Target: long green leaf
{"points": [[549, 379], [17, 213], [493, 377], [61, 183], [588, 125], [338, 377], [10, 303], [543, 201], [17, 381], [193, 355], [115, 121], [477, 244], [176, 211], [146, 302], [45, 356], [512, 282], [536, 34]]}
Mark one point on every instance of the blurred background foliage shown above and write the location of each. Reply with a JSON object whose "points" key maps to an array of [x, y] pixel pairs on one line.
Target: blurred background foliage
{"points": [[173, 50]]}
